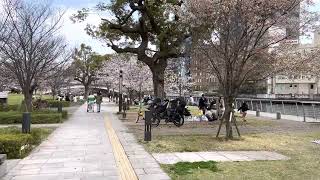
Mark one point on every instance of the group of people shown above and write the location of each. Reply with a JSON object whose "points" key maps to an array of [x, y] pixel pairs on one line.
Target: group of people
{"points": [[92, 100], [204, 106]]}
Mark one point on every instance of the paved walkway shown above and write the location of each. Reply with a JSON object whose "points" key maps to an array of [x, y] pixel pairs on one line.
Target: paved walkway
{"points": [[89, 146], [144, 165], [219, 156], [79, 149]]}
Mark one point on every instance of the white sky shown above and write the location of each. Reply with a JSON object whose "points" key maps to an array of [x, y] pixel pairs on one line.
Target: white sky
{"points": [[75, 33]]}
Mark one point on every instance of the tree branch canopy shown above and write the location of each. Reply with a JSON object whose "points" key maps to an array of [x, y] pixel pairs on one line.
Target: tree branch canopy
{"points": [[86, 66], [141, 25], [32, 46]]}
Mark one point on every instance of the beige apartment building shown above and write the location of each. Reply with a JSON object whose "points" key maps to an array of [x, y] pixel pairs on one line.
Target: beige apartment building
{"points": [[202, 80], [303, 84]]}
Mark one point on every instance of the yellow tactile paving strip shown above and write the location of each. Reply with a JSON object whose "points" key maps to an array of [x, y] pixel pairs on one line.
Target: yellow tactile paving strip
{"points": [[126, 171]]}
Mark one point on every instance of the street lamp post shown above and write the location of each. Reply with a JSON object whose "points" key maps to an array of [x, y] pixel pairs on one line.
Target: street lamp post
{"points": [[120, 91]]}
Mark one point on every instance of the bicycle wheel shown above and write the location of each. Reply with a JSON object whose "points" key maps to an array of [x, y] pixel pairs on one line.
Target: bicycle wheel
{"points": [[178, 120], [155, 121]]}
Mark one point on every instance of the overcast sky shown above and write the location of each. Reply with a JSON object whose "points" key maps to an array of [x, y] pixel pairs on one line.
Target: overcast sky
{"points": [[75, 33]]}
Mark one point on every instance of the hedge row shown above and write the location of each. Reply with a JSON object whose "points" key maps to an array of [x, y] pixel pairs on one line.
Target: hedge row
{"points": [[64, 113], [55, 103], [21, 107], [17, 145], [6, 108], [36, 117]]}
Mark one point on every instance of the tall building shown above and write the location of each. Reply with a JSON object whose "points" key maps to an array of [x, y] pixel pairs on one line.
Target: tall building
{"points": [[301, 84], [202, 80]]}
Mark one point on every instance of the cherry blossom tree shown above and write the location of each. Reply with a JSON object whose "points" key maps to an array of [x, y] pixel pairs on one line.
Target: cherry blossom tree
{"points": [[137, 76], [246, 40], [177, 77]]}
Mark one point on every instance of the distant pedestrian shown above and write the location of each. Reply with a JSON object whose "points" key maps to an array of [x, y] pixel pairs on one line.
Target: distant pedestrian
{"points": [[203, 104], [191, 101], [90, 101], [99, 101], [220, 107], [243, 110]]}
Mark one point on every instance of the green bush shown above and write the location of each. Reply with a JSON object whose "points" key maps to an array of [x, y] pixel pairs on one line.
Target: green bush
{"points": [[17, 145], [6, 108], [45, 118], [39, 134], [64, 113], [14, 117], [55, 103]]}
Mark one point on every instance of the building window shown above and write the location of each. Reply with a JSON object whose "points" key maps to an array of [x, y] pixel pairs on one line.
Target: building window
{"points": [[312, 86], [295, 85], [290, 85]]}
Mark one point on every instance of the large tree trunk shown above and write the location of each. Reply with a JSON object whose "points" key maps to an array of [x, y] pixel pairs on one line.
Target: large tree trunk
{"points": [[228, 101], [28, 100], [158, 80], [54, 93], [86, 91]]}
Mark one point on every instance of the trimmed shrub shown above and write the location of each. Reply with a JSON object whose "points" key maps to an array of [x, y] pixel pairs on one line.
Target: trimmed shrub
{"points": [[64, 113], [6, 108], [15, 145], [36, 118], [39, 134], [45, 118], [55, 103]]}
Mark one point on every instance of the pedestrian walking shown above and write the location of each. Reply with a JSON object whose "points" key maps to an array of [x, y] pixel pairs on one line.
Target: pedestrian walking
{"points": [[99, 101], [243, 110], [203, 104], [191, 101], [90, 103]]}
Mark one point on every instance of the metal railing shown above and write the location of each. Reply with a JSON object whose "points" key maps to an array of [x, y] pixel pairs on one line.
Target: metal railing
{"points": [[305, 109]]}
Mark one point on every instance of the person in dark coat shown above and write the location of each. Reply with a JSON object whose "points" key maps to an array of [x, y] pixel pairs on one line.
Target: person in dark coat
{"points": [[243, 110], [99, 101], [203, 104]]}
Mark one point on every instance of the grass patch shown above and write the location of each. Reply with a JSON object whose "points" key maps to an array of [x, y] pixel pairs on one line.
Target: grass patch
{"points": [[304, 162], [184, 168], [194, 110], [195, 143], [15, 99], [136, 109]]}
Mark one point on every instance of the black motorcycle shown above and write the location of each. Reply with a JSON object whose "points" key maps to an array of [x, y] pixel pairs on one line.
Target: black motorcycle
{"points": [[171, 111]]}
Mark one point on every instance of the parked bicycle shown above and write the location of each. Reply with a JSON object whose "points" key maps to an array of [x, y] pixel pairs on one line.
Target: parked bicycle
{"points": [[171, 111]]}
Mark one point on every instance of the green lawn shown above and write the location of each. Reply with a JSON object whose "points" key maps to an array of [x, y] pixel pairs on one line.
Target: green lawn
{"points": [[16, 99], [136, 108]]}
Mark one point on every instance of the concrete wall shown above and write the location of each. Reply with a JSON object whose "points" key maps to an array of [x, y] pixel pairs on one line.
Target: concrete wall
{"points": [[295, 89]]}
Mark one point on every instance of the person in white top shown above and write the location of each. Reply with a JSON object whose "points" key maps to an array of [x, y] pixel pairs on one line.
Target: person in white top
{"points": [[191, 101]]}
